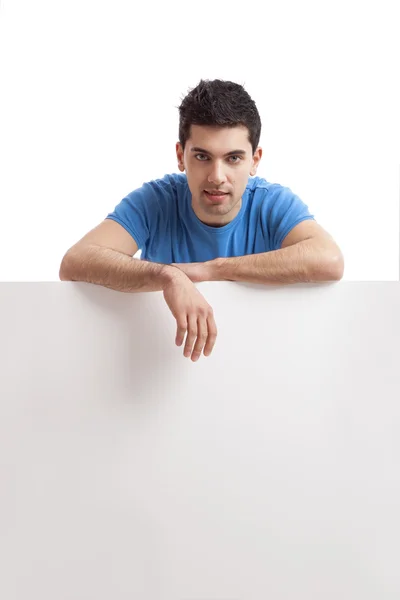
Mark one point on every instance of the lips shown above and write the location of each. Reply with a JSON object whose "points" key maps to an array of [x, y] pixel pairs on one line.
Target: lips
{"points": [[216, 198], [215, 192]]}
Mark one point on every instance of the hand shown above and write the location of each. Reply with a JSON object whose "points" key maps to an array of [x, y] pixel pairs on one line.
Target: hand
{"points": [[193, 315], [198, 271]]}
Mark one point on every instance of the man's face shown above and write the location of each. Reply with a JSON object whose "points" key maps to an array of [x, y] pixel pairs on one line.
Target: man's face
{"points": [[217, 159]]}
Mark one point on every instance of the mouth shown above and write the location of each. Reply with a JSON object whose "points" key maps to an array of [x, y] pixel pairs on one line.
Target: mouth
{"points": [[216, 196]]}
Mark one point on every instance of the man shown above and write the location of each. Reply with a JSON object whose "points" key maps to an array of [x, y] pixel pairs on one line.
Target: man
{"points": [[217, 222]]}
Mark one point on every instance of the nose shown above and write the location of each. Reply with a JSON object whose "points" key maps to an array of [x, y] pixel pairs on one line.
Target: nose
{"points": [[216, 175]]}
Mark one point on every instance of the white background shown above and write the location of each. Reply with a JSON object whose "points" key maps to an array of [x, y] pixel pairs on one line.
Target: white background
{"points": [[89, 92]]}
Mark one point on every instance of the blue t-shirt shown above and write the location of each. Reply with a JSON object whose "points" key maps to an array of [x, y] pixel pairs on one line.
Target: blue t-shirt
{"points": [[160, 218]]}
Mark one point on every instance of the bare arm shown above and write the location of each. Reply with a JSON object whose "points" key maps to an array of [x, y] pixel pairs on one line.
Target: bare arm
{"points": [[307, 254], [309, 261], [118, 271], [115, 270], [104, 256]]}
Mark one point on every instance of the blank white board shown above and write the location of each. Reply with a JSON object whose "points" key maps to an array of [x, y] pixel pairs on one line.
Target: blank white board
{"points": [[270, 469]]}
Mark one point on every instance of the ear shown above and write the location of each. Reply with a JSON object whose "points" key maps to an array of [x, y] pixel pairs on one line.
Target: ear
{"points": [[255, 160], [179, 156]]}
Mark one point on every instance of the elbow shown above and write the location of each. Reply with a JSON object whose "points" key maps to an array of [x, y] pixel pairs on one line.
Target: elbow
{"points": [[338, 267], [335, 268], [331, 269], [63, 273]]}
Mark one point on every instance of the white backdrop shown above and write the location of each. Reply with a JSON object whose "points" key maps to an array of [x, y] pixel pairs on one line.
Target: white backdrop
{"points": [[270, 469], [88, 113]]}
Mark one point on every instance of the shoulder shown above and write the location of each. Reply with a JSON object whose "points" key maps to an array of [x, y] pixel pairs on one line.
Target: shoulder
{"points": [[267, 190], [171, 184], [157, 194], [274, 199]]}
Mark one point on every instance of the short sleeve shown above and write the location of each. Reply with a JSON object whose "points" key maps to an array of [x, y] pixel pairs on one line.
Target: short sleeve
{"points": [[286, 211], [137, 211]]}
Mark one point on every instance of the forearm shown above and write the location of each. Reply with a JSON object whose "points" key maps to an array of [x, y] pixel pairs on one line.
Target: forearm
{"points": [[305, 261], [115, 270]]}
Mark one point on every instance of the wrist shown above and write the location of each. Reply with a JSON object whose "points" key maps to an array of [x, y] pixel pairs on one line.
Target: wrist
{"points": [[213, 269], [170, 274]]}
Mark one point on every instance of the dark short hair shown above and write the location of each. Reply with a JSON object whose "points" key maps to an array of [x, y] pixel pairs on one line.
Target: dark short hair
{"points": [[219, 103]]}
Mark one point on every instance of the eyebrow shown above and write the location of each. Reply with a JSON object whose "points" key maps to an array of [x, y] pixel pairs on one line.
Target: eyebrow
{"points": [[197, 149]]}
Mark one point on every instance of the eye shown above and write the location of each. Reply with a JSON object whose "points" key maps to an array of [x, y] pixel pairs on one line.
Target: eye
{"points": [[236, 156]]}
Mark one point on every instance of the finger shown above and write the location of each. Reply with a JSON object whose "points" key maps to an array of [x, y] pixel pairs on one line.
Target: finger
{"points": [[191, 335], [212, 335], [181, 330], [202, 334]]}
